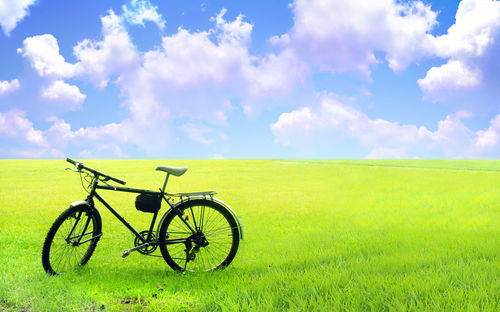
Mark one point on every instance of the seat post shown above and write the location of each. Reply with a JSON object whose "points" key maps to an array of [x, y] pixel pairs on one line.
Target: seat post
{"points": [[165, 184]]}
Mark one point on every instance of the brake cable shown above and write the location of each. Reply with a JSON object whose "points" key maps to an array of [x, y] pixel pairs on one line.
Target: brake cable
{"points": [[87, 179]]}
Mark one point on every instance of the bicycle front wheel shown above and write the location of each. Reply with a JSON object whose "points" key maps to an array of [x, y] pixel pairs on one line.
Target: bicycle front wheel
{"points": [[199, 235], [71, 239]]}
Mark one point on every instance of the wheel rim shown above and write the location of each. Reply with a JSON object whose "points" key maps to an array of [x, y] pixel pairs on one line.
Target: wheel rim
{"points": [[66, 254], [210, 225]]}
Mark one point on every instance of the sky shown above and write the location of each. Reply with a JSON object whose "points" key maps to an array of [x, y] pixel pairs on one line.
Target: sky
{"points": [[249, 79]]}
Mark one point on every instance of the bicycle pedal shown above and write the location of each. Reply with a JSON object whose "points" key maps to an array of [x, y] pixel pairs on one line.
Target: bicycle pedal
{"points": [[126, 253]]}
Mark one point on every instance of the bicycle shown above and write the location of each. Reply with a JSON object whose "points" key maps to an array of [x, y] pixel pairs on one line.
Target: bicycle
{"points": [[197, 233]]}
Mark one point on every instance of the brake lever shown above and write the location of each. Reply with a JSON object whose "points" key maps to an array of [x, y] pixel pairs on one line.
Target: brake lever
{"points": [[72, 169]]}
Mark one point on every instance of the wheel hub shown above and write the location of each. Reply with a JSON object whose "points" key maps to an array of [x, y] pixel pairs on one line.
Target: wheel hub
{"points": [[200, 239]]}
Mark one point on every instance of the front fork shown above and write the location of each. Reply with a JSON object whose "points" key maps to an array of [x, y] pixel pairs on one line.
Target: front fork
{"points": [[70, 239]]}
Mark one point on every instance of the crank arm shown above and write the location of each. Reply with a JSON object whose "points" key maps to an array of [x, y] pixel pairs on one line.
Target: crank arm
{"points": [[128, 251]]}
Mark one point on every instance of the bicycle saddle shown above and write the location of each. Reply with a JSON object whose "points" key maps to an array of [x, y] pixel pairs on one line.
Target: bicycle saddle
{"points": [[176, 171]]}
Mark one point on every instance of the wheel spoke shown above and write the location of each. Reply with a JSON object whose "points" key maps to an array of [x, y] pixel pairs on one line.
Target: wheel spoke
{"points": [[213, 225], [63, 252]]}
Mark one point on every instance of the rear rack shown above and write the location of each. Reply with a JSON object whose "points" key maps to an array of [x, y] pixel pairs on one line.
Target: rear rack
{"points": [[193, 194]]}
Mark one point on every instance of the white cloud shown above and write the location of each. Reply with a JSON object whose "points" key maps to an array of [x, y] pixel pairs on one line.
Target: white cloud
{"points": [[198, 132], [152, 139], [235, 32], [275, 74], [450, 76], [63, 92], [470, 45], [114, 55], [202, 133], [143, 10], [15, 124], [6, 86], [489, 138], [97, 60], [331, 121], [343, 35], [191, 58], [194, 74], [60, 131], [475, 28], [43, 54], [13, 11]]}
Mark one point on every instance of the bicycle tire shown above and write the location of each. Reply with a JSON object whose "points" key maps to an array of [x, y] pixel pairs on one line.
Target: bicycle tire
{"points": [[60, 255], [218, 226]]}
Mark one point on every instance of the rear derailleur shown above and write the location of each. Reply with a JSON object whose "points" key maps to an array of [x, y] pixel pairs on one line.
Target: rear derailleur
{"points": [[199, 241]]}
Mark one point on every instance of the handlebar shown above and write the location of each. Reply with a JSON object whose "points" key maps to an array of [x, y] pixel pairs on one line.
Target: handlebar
{"points": [[106, 177]]}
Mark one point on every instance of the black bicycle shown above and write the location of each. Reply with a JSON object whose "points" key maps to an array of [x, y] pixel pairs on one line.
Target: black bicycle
{"points": [[197, 233]]}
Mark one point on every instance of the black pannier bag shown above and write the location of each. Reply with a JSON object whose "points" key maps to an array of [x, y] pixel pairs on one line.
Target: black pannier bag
{"points": [[148, 202]]}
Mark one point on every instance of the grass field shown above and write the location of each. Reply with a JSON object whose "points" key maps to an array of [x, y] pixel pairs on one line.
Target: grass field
{"points": [[319, 235]]}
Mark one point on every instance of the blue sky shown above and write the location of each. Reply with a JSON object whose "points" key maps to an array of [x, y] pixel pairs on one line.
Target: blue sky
{"points": [[249, 79]]}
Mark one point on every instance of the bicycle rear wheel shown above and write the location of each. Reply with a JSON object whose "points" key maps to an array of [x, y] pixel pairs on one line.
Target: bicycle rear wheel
{"points": [[210, 241], [71, 239]]}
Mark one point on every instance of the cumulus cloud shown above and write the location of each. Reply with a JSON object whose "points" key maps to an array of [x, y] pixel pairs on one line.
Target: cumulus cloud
{"points": [[114, 55], [193, 74], [341, 36], [470, 45], [490, 138], [97, 60], [333, 120], [189, 59], [344, 35], [152, 139], [215, 64], [451, 76], [330, 121], [43, 54], [12, 12], [63, 92], [141, 11], [475, 28], [15, 124], [6, 86]]}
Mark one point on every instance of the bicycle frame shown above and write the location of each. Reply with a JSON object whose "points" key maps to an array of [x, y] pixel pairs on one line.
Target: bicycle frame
{"points": [[146, 241]]}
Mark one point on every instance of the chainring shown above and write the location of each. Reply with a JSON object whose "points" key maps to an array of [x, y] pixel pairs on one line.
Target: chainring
{"points": [[146, 250]]}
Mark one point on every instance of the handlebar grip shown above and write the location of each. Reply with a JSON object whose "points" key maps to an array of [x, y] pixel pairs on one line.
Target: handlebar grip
{"points": [[71, 161], [119, 181]]}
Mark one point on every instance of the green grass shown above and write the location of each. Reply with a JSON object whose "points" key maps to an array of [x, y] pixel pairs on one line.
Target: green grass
{"points": [[318, 235]]}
